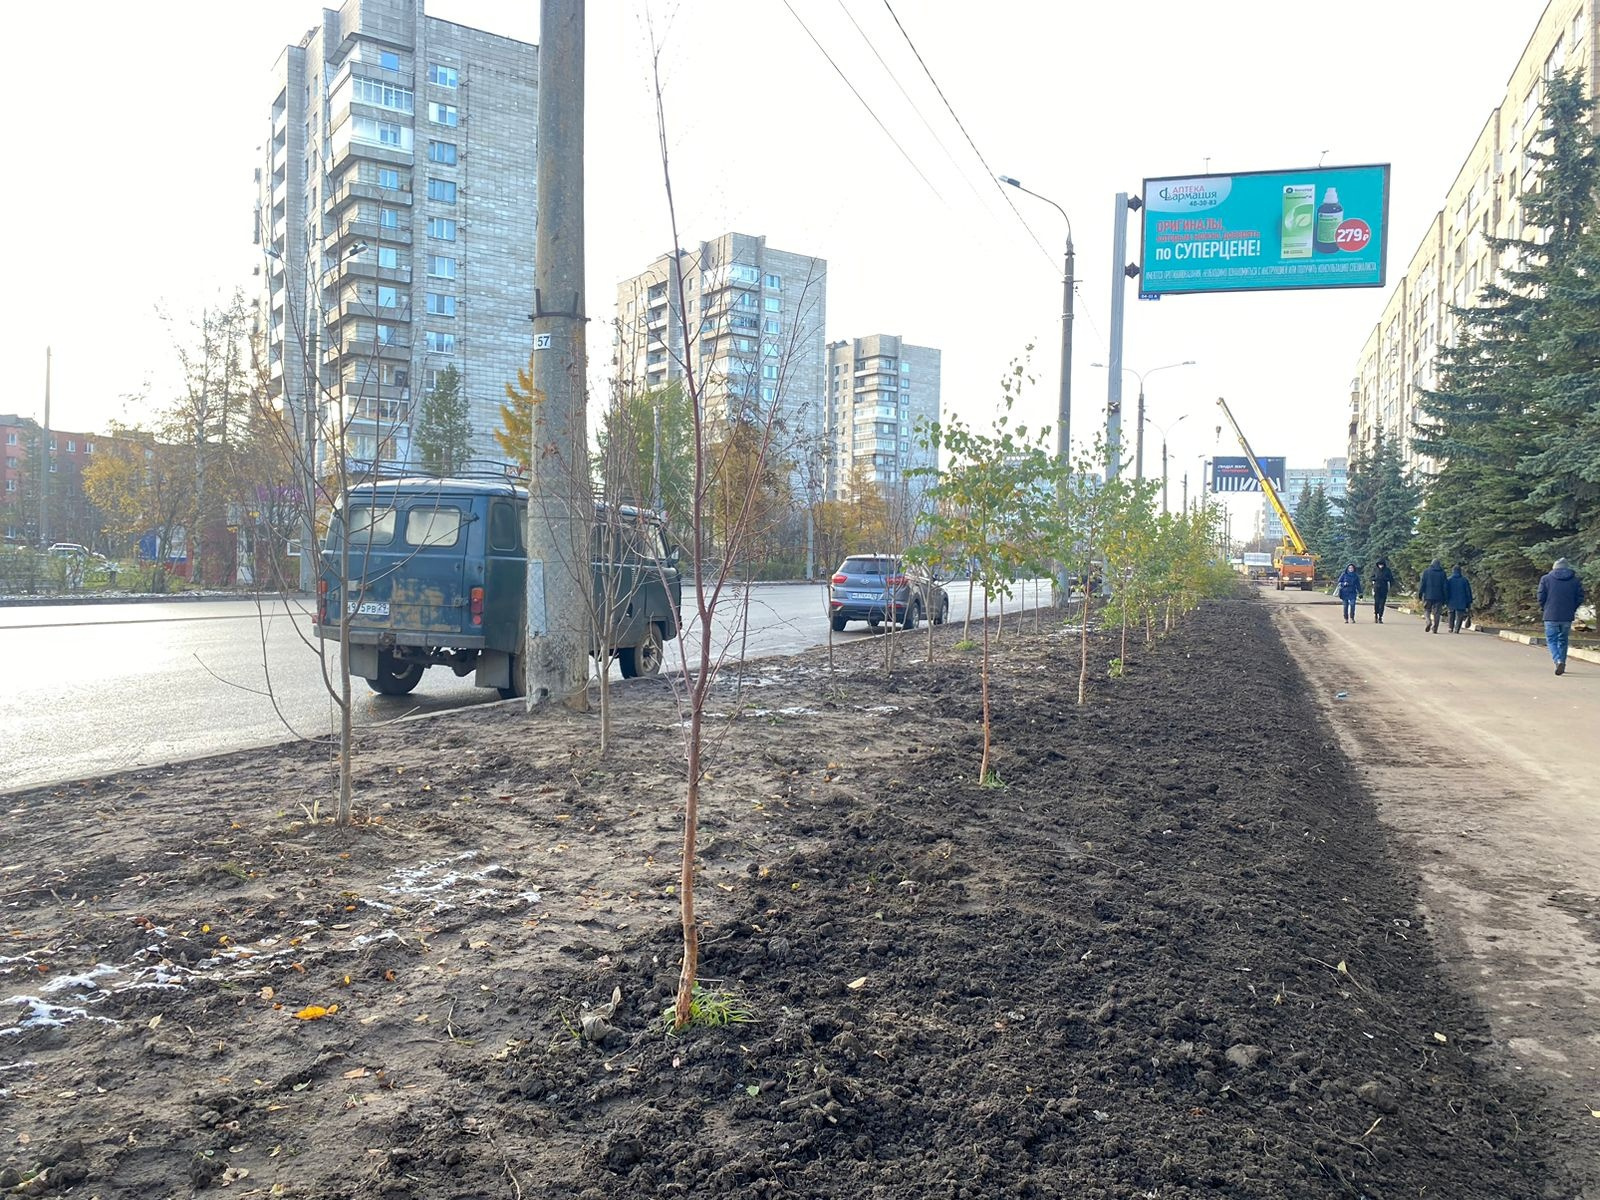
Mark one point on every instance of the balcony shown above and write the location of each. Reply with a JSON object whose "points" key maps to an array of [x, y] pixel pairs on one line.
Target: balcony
{"points": [[356, 189], [355, 345], [365, 266]]}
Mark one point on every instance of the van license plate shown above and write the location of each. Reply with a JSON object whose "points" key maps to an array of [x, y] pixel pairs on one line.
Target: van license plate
{"points": [[863, 595], [371, 608]]}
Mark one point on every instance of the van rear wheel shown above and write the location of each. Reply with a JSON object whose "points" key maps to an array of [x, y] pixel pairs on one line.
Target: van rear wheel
{"points": [[644, 660], [519, 679], [395, 677]]}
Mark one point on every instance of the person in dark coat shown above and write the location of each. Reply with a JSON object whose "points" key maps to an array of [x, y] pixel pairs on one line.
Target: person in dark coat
{"points": [[1350, 591], [1433, 591], [1458, 589], [1560, 593], [1382, 581]]}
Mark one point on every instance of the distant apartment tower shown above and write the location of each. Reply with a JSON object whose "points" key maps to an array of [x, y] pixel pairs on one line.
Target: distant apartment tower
{"points": [[881, 389], [396, 215], [1332, 477], [755, 322], [1455, 260]]}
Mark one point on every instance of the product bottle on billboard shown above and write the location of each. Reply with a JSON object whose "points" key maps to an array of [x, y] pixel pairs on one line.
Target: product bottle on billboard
{"points": [[1329, 217]]}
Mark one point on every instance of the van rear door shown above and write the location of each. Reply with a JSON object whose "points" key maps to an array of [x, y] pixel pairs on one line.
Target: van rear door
{"points": [[429, 589]]}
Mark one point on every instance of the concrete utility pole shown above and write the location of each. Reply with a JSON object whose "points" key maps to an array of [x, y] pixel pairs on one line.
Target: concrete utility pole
{"points": [[1119, 280], [44, 460], [560, 508]]}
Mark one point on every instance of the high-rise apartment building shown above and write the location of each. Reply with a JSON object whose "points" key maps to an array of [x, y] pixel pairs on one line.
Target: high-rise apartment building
{"points": [[1332, 477], [755, 344], [1455, 261], [880, 390], [396, 214]]}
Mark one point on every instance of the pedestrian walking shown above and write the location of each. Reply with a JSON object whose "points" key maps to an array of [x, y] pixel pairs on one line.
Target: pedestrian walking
{"points": [[1350, 591], [1560, 593], [1433, 591], [1458, 589], [1382, 580]]}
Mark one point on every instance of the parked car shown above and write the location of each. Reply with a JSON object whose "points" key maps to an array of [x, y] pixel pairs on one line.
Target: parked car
{"points": [[438, 576], [74, 551], [880, 587]]}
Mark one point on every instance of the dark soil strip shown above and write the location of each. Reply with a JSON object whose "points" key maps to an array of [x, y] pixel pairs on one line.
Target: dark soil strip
{"points": [[1173, 957]]}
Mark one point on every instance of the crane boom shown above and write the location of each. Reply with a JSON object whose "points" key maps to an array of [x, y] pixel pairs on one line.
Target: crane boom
{"points": [[1291, 534]]}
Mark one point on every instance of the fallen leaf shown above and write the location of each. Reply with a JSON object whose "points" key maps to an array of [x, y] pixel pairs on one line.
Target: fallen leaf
{"points": [[1341, 968], [357, 1073], [205, 929], [1439, 1037], [857, 983], [388, 975], [266, 993], [155, 1021], [314, 1012]]}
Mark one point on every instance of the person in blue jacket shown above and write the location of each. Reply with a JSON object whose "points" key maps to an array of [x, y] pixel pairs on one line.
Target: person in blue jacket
{"points": [[1382, 581], [1560, 593], [1458, 589], [1350, 591], [1433, 591]]}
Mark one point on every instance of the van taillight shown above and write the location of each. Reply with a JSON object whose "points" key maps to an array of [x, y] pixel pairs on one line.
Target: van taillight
{"points": [[895, 581], [477, 606], [322, 602]]}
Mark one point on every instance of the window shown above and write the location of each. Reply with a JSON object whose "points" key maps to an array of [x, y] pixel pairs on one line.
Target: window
{"points": [[379, 133], [389, 178], [72, 446], [774, 282], [11, 439], [740, 273], [388, 297], [769, 371], [442, 75], [388, 256], [388, 60], [433, 526], [443, 228], [442, 152], [770, 349], [388, 335], [772, 304], [441, 266], [771, 325], [371, 526], [746, 300], [11, 485], [442, 189], [382, 95], [441, 305], [12, 463], [769, 394], [443, 114], [389, 218], [52, 445], [53, 466], [441, 343], [505, 527]]}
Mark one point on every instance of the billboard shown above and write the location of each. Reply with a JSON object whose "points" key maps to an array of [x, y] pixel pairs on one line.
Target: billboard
{"points": [[1323, 227], [1234, 474]]}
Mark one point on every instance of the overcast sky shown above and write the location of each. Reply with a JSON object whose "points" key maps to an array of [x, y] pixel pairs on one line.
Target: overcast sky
{"points": [[130, 175]]}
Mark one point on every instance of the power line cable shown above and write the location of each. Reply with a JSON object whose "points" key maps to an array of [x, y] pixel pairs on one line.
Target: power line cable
{"points": [[926, 124], [1050, 258], [903, 152]]}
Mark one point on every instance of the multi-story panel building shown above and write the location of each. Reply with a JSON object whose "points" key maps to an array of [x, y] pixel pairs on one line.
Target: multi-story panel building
{"points": [[69, 517], [396, 213], [1332, 477], [755, 317], [881, 389], [1455, 260]]}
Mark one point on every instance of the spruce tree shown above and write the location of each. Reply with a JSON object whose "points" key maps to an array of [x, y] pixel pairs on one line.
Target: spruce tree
{"points": [[1489, 423], [443, 432], [1378, 515]]}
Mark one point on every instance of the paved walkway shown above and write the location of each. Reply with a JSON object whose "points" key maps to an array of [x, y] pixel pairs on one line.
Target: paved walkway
{"points": [[1488, 766]]}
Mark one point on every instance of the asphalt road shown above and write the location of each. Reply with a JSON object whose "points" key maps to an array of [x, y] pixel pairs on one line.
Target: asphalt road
{"points": [[1483, 765], [91, 689]]}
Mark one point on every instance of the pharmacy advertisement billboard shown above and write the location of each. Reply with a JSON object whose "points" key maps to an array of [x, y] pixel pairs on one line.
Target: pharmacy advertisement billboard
{"points": [[1234, 474], [1323, 227]]}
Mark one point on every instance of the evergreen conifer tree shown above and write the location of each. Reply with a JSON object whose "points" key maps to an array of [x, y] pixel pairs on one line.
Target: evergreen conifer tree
{"points": [[1490, 505], [1378, 515], [443, 432]]}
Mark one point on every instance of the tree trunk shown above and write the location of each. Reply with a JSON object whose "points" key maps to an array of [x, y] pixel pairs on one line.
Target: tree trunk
{"points": [[983, 769], [1083, 651]]}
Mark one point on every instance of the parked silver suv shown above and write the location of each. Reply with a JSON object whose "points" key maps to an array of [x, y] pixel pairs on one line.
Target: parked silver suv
{"points": [[879, 587]]}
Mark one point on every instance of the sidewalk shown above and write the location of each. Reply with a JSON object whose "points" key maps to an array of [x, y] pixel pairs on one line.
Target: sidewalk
{"points": [[1483, 762]]}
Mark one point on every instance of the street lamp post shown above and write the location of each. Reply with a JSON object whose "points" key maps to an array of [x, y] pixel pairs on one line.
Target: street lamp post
{"points": [[1064, 403], [1164, 430], [1138, 467]]}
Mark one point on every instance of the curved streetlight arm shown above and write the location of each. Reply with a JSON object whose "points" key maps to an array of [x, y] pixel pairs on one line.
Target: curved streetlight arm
{"points": [[1009, 180]]}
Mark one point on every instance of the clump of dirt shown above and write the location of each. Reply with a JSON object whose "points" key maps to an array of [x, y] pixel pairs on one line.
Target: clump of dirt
{"points": [[1170, 956]]}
